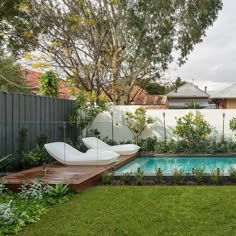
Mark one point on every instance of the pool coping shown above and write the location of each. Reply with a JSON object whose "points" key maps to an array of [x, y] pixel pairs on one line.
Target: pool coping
{"points": [[153, 154]]}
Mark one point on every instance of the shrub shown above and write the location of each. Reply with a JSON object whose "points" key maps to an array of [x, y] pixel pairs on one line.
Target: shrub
{"points": [[7, 213], [178, 176], [232, 124], [3, 188], [192, 129], [15, 214], [35, 157], [4, 161], [35, 190], [232, 174], [107, 178], [199, 174], [148, 144], [139, 177], [159, 175], [59, 190], [161, 147], [126, 178], [137, 122], [216, 176]]}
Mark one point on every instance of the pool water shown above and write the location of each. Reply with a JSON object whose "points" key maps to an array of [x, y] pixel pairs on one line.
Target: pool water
{"points": [[167, 164]]}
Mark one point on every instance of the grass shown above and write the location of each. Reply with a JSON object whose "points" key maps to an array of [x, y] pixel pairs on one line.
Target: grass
{"points": [[159, 210]]}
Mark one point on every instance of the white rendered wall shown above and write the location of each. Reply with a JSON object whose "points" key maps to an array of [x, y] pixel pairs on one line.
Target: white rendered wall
{"points": [[103, 122]]}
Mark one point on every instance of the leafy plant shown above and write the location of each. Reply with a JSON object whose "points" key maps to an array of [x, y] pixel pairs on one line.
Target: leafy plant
{"points": [[232, 174], [87, 107], [59, 190], [34, 190], [35, 157], [126, 178], [4, 161], [49, 85], [3, 187], [192, 129], [216, 176], [178, 176], [199, 174], [107, 178], [7, 213], [149, 144], [159, 175], [137, 122], [139, 177], [232, 125]]}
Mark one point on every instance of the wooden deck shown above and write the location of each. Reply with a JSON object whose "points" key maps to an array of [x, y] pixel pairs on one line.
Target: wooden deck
{"points": [[79, 177]]}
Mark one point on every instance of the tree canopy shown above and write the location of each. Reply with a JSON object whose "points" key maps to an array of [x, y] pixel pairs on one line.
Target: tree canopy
{"points": [[12, 79], [107, 45]]}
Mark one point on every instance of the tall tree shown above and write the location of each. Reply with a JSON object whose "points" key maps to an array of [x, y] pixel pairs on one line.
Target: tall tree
{"points": [[17, 32], [109, 44]]}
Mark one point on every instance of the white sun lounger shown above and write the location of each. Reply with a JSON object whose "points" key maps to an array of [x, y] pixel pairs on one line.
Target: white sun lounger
{"points": [[66, 154], [122, 149]]}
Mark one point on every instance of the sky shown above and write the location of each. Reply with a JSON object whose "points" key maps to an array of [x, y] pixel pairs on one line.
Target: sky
{"points": [[213, 62]]}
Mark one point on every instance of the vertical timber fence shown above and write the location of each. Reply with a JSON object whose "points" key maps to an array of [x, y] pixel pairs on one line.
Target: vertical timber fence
{"points": [[35, 114]]}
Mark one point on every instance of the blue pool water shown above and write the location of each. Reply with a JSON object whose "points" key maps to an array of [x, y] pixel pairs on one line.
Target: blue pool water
{"points": [[167, 164]]}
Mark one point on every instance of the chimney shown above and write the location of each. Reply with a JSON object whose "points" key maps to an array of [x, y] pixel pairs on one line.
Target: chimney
{"points": [[205, 89]]}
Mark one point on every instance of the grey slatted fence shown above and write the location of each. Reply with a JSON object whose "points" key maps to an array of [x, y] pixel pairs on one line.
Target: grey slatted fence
{"points": [[39, 115]]}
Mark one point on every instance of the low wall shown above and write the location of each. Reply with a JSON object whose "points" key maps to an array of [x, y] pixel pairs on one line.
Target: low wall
{"points": [[112, 125]]}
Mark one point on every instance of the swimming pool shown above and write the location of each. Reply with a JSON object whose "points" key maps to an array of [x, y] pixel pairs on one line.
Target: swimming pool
{"points": [[167, 164]]}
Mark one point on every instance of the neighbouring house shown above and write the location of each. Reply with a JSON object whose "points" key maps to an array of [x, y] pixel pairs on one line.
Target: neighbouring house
{"points": [[32, 80], [187, 95], [140, 96], [226, 98]]}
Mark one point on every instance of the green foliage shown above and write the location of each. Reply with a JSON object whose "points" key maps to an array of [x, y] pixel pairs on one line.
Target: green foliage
{"points": [[16, 23], [49, 84], [192, 129], [232, 124], [139, 177], [59, 190], [35, 190], [126, 178], [156, 88], [35, 157], [159, 175], [107, 178], [137, 122], [199, 174], [12, 78], [216, 176], [178, 176], [34, 200], [128, 38], [149, 144], [16, 213], [193, 105], [3, 188], [4, 161], [232, 174], [87, 107]]}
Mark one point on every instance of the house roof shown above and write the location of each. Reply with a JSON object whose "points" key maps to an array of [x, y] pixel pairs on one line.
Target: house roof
{"points": [[32, 80], [188, 90], [143, 98], [229, 92]]}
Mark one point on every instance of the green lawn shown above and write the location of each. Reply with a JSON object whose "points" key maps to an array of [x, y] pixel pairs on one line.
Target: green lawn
{"points": [[173, 210]]}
